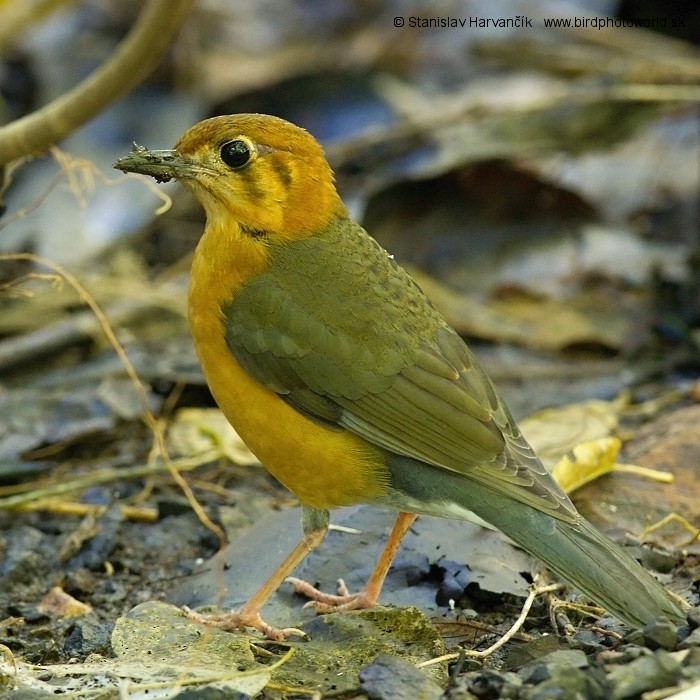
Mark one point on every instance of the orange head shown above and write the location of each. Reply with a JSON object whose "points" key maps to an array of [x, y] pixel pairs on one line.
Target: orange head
{"points": [[267, 175]]}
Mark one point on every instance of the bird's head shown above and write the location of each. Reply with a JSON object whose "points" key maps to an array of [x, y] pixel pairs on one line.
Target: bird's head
{"points": [[262, 173]]}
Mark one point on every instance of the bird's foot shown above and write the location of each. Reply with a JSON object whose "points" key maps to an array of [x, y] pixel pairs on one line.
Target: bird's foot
{"points": [[243, 619], [327, 602]]}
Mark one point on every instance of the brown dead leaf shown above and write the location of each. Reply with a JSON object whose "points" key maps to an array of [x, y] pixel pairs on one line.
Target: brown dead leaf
{"points": [[58, 602], [554, 432], [625, 501]]}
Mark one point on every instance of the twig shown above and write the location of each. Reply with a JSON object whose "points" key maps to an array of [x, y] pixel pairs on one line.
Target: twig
{"points": [[150, 419], [53, 505], [515, 627], [106, 476], [136, 56], [672, 518]]}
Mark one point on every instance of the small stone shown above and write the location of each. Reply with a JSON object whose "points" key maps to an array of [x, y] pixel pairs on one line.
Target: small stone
{"points": [[693, 617], [470, 665], [692, 658], [691, 641], [660, 560], [611, 631], [80, 582], [24, 567], [414, 565], [610, 624], [588, 641], [485, 684], [691, 674], [455, 578], [391, 678], [623, 655], [510, 689], [520, 655], [541, 669], [635, 637], [88, 636], [658, 670], [459, 689], [570, 683], [489, 683], [661, 634], [683, 632]]}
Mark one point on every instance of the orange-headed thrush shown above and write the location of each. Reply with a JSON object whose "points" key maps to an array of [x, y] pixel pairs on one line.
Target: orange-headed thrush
{"points": [[345, 381]]}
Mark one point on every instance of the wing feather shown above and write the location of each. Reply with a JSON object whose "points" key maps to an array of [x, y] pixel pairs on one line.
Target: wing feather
{"points": [[406, 382]]}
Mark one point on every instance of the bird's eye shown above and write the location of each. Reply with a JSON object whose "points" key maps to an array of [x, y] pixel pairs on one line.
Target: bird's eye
{"points": [[236, 154]]}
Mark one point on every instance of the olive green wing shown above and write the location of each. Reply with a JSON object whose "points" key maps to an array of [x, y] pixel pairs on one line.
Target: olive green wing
{"points": [[353, 342], [459, 423]]}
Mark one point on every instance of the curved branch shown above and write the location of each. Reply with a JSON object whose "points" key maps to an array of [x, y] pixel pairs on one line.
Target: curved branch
{"points": [[136, 56]]}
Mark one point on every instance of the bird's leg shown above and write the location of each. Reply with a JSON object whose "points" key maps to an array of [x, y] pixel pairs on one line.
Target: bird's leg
{"points": [[315, 525], [368, 596]]}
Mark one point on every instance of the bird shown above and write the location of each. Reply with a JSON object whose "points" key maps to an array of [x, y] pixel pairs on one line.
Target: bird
{"points": [[346, 382]]}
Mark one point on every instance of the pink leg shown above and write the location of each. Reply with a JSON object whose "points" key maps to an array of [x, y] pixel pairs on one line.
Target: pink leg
{"points": [[315, 524], [368, 596]]}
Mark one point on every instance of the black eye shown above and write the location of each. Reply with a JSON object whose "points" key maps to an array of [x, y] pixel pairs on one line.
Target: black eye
{"points": [[235, 154]]}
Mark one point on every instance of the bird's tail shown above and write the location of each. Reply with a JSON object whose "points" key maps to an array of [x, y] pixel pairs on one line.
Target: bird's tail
{"points": [[590, 561], [573, 548]]}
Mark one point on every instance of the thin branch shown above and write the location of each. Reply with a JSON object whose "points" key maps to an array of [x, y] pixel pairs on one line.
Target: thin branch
{"points": [[535, 590], [136, 56], [150, 419]]}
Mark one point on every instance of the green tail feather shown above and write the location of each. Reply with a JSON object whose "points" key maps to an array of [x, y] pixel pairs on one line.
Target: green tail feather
{"points": [[598, 567], [580, 554]]}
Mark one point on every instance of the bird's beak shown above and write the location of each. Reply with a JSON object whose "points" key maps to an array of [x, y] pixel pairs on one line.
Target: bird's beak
{"points": [[162, 165]]}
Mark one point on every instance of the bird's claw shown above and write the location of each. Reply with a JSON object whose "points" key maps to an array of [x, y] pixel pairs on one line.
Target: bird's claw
{"points": [[327, 602], [241, 619]]}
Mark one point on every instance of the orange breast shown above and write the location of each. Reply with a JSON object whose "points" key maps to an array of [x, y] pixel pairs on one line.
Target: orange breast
{"points": [[325, 468]]}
